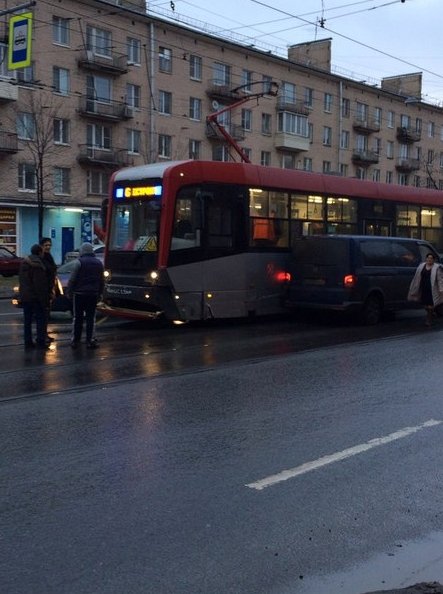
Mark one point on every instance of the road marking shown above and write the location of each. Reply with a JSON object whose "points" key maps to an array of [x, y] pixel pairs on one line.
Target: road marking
{"points": [[284, 475]]}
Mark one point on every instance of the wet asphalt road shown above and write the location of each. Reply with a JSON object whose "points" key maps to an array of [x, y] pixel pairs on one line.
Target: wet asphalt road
{"points": [[132, 469]]}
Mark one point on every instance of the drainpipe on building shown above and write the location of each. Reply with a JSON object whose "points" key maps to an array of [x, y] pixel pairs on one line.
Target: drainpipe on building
{"points": [[340, 123], [152, 111]]}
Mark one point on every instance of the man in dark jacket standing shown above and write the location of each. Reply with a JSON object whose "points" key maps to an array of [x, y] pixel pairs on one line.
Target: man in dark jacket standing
{"points": [[51, 273], [34, 296], [85, 287]]}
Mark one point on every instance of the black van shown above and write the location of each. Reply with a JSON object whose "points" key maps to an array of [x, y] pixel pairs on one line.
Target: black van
{"points": [[354, 273]]}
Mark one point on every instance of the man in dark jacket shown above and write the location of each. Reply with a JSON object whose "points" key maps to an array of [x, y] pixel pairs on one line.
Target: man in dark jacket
{"points": [[34, 296], [51, 272], [85, 287]]}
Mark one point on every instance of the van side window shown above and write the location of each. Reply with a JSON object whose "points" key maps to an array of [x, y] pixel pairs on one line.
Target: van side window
{"points": [[376, 253], [405, 254]]}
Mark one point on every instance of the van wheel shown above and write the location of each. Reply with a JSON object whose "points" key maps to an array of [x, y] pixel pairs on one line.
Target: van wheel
{"points": [[372, 310]]}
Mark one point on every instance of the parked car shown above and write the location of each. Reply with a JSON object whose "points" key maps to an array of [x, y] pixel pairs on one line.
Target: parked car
{"points": [[353, 273], [99, 251], [9, 262]]}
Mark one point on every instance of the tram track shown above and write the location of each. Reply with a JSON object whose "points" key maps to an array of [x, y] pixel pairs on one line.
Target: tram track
{"points": [[132, 354]]}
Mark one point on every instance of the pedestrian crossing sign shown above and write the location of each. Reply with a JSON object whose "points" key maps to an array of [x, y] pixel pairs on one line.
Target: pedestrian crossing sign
{"points": [[20, 41]]}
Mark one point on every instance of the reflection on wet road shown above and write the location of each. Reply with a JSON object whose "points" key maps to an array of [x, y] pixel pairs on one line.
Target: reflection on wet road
{"points": [[142, 350]]}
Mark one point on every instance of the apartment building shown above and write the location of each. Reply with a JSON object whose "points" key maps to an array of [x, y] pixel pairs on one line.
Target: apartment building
{"points": [[110, 86]]}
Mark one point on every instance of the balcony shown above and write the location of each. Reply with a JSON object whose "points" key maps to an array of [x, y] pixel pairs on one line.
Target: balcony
{"points": [[8, 143], [115, 64], [113, 158], [218, 89], [366, 125], [407, 135], [8, 91], [299, 107], [291, 142], [236, 132], [364, 157], [110, 111], [406, 165]]}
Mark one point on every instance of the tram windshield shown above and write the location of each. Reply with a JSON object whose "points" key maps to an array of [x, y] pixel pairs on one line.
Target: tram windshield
{"points": [[135, 226]]}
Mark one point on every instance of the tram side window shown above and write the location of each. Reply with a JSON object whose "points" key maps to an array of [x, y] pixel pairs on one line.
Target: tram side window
{"points": [[187, 223], [219, 222], [407, 220], [269, 225]]}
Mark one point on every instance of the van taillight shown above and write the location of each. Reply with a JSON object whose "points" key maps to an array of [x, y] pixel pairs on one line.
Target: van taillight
{"points": [[349, 281], [283, 277]]}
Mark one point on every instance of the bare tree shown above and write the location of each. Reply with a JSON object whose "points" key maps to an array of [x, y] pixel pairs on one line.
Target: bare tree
{"points": [[35, 123]]}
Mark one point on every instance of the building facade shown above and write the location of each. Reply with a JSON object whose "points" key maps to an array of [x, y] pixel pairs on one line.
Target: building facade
{"points": [[109, 86]]}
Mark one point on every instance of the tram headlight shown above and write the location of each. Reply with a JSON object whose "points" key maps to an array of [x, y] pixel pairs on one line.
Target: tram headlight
{"points": [[153, 275], [107, 275]]}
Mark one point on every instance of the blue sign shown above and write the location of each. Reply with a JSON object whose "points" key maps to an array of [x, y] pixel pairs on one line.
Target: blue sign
{"points": [[20, 41]]}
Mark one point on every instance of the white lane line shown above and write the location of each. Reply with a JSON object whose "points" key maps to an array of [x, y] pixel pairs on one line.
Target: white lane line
{"points": [[284, 475]]}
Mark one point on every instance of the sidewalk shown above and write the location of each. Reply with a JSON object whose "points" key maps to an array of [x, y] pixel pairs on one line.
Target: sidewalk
{"points": [[422, 588]]}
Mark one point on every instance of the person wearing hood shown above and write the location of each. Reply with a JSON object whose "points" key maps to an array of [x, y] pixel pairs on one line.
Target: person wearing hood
{"points": [[85, 287], [34, 296]]}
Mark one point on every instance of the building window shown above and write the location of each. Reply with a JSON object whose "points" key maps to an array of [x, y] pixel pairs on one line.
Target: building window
{"points": [[98, 136], [194, 149], [377, 115], [60, 80], [327, 136], [391, 119], [266, 124], [134, 51], [221, 74], [389, 177], [133, 141], [61, 131], [360, 173], [26, 126], [164, 146], [195, 67], [62, 180], [26, 177], [246, 81], [265, 158], [133, 96], [248, 153], [288, 92], [292, 123], [60, 30], [165, 59], [99, 41], [402, 179], [195, 108], [345, 108], [98, 88], [377, 146], [327, 102], [361, 112], [246, 119], [97, 182], [389, 149], [165, 102], [430, 158], [307, 164], [343, 169], [376, 175], [309, 97], [431, 129], [288, 161], [405, 120], [267, 86], [220, 153], [24, 75], [326, 166], [344, 139]]}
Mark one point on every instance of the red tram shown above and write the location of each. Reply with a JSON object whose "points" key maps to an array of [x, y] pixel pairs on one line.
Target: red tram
{"points": [[192, 240]]}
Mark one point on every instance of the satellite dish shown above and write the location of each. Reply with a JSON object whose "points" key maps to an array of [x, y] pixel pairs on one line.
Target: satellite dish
{"points": [[215, 105]]}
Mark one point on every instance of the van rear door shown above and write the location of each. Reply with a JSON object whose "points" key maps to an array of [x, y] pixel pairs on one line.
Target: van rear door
{"points": [[318, 269]]}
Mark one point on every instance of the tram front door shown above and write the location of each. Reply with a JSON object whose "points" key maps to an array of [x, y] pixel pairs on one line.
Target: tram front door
{"points": [[376, 227]]}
